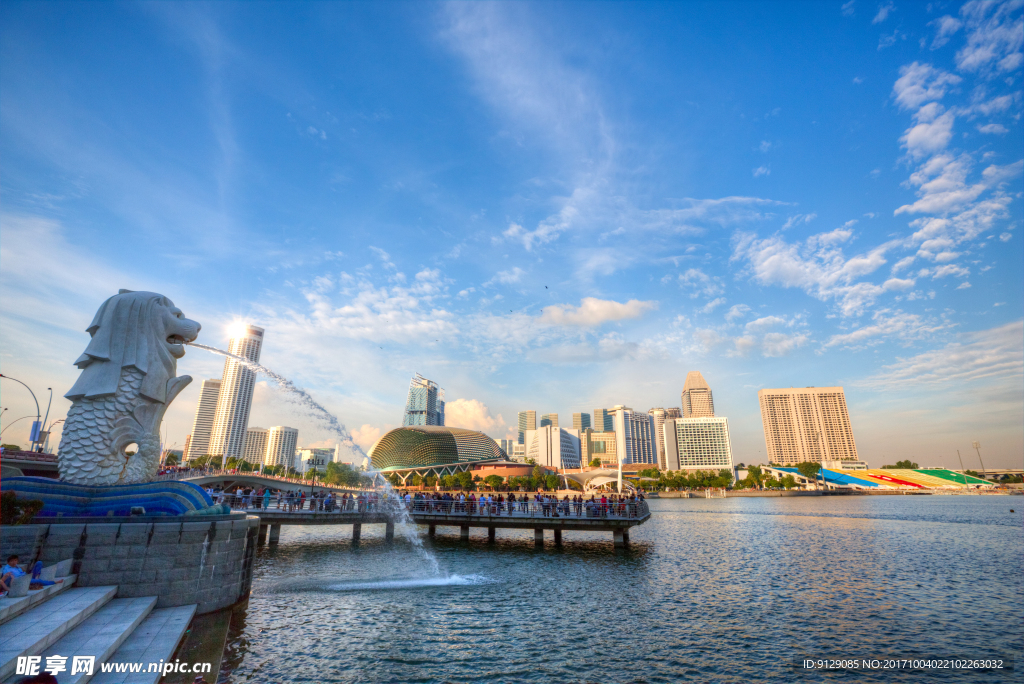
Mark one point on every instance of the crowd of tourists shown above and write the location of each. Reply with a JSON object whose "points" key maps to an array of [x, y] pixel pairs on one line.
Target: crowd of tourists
{"points": [[545, 505]]}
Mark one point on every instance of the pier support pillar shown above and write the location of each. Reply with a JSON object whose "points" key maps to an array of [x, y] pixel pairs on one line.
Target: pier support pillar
{"points": [[275, 534], [490, 535], [558, 537], [389, 532], [357, 529], [625, 536], [262, 538], [617, 536], [538, 537], [464, 533], [431, 530]]}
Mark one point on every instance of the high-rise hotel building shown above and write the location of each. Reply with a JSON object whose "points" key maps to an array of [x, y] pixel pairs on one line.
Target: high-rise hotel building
{"points": [[227, 439], [698, 444], [696, 397], [580, 421], [255, 445], [604, 420], [527, 421], [425, 405], [659, 416], [634, 436], [206, 410], [806, 424], [549, 420], [281, 444]]}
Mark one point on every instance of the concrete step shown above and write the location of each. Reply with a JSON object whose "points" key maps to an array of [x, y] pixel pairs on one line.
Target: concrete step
{"points": [[154, 641], [99, 636], [38, 628], [11, 608]]}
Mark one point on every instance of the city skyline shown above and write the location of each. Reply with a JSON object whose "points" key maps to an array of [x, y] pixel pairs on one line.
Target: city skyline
{"points": [[585, 227]]}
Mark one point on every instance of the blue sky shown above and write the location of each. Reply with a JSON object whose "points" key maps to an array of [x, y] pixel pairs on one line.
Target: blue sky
{"points": [[550, 206]]}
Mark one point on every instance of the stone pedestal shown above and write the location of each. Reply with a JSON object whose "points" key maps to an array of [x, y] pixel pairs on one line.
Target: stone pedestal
{"points": [[357, 529], [275, 534], [180, 560]]}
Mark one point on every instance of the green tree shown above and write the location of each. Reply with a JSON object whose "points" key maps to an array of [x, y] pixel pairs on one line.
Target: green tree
{"points": [[171, 460], [902, 465], [430, 481], [449, 482], [551, 482], [465, 480], [11, 447], [808, 469], [416, 480], [595, 463], [789, 482], [494, 481]]}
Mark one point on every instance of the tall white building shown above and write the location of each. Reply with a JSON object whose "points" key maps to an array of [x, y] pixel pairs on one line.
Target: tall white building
{"points": [[553, 447], [206, 410], [806, 424], [255, 445], [227, 439], [634, 436], [281, 444], [425, 405], [660, 415], [698, 444], [696, 396]]}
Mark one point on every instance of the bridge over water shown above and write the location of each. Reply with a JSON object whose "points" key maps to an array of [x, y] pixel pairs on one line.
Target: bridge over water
{"points": [[557, 517]]}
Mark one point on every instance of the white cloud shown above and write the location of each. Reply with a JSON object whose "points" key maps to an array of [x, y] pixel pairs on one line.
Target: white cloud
{"points": [[593, 312], [903, 326], [471, 414], [711, 306], [931, 134], [764, 324], [765, 146], [847, 8], [993, 129], [797, 219], [513, 275], [994, 37], [920, 83], [883, 13], [816, 266], [996, 355], [1005, 237], [951, 270], [781, 344], [902, 264], [366, 436], [762, 171], [737, 311], [945, 27], [700, 283], [964, 285]]}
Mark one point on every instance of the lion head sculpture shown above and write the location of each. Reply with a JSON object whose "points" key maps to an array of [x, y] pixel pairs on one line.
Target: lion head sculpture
{"points": [[140, 329], [127, 382]]}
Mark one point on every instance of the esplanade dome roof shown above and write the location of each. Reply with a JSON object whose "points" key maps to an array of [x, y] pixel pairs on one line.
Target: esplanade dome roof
{"points": [[422, 446]]}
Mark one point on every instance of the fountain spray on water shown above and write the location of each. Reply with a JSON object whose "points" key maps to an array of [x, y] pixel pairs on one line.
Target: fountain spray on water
{"points": [[389, 498]]}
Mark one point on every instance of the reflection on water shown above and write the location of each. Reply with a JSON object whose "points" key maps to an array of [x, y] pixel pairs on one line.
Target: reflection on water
{"points": [[729, 590]]}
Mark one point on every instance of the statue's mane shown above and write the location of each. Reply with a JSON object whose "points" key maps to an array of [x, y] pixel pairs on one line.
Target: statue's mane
{"points": [[126, 331]]}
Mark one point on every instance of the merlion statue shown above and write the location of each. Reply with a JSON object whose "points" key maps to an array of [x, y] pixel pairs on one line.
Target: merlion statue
{"points": [[127, 382]]}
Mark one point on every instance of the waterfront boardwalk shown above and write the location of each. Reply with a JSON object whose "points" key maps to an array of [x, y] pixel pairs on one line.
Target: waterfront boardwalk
{"points": [[559, 517]]}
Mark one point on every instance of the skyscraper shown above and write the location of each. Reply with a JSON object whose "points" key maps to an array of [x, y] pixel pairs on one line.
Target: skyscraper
{"points": [[281, 443], [206, 410], [255, 445], [604, 421], [698, 444], [527, 421], [697, 401], [425, 405], [580, 421], [658, 416], [227, 439], [549, 420], [806, 424], [634, 436]]}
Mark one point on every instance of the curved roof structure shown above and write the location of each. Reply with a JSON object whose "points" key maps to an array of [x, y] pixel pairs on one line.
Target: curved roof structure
{"points": [[428, 445]]}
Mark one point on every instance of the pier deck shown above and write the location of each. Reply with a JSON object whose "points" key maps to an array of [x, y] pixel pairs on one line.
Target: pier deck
{"points": [[614, 518]]}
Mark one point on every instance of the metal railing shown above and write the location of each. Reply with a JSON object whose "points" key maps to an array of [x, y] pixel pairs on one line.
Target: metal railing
{"points": [[526, 508]]}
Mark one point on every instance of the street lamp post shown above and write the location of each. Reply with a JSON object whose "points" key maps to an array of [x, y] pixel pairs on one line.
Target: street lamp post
{"points": [[45, 418], [977, 447], [8, 377]]}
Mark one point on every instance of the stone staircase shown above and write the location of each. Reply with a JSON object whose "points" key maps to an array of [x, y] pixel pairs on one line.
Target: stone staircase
{"points": [[88, 621]]}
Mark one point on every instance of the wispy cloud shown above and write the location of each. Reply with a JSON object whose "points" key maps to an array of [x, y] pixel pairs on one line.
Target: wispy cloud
{"points": [[593, 312]]}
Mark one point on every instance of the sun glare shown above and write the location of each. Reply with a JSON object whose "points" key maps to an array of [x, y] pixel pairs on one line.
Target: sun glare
{"points": [[237, 329]]}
